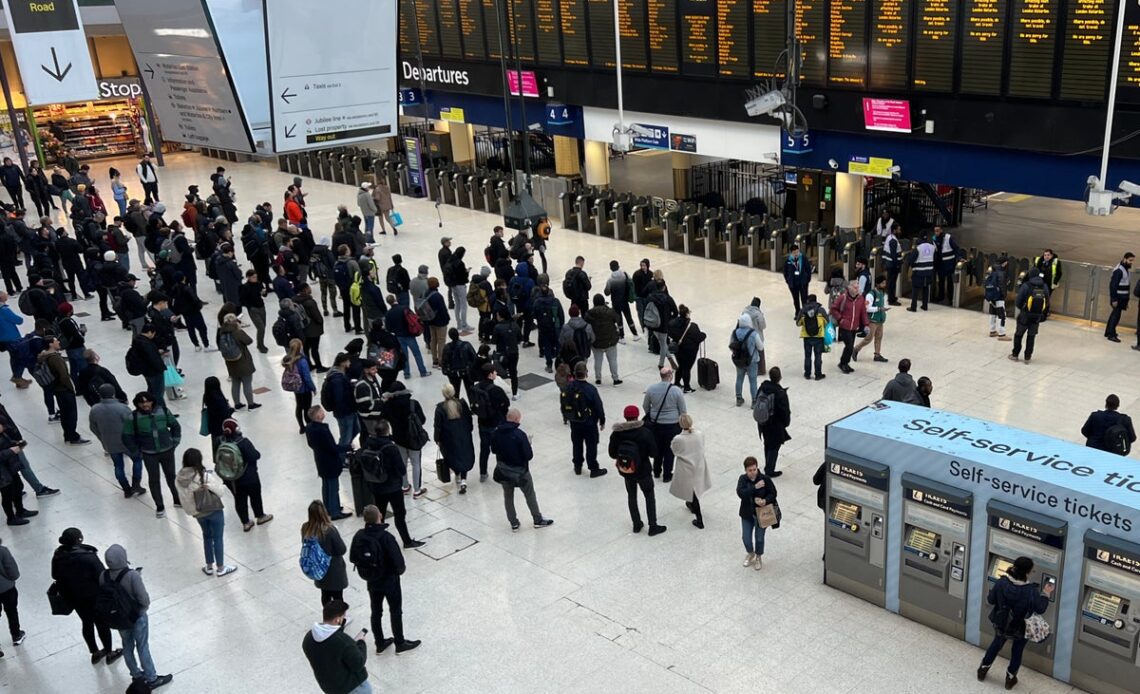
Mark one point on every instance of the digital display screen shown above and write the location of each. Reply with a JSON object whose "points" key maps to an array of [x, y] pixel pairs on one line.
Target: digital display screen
{"points": [[1128, 80], [936, 34], [663, 36], [768, 28], [847, 43], [732, 38], [404, 24], [522, 46], [631, 25], [890, 45], [1031, 51], [810, 31], [983, 44], [449, 29], [602, 33], [471, 26], [427, 23], [845, 512], [546, 26], [1103, 605], [998, 567], [1088, 49], [698, 37], [922, 541], [575, 47]]}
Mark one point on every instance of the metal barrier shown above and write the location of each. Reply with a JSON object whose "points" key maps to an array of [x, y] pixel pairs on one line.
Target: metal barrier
{"points": [[476, 199], [502, 194], [458, 184], [402, 182], [714, 222], [689, 235], [623, 223], [602, 208]]}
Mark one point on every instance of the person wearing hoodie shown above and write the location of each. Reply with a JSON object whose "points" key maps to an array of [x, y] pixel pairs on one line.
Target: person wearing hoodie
{"points": [[576, 338], [314, 328], [747, 343], [136, 637], [240, 370], [106, 421], [198, 487], [774, 432], [619, 287], [1032, 308], [76, 568], [339, 662], [433, 314], [520, 289], [378, 561], [387, 486], [633, 446], [397, 281], [513, 453], [691, 479], [9, 596], [407, 419], [606, 324], [418, 287], [247, 488], [1099, 422], [850, 313], [1014, 599], [548, 317], [153, 433], [229, 274], [368, 209], [456, 275], [902, 387], [759, 324]]}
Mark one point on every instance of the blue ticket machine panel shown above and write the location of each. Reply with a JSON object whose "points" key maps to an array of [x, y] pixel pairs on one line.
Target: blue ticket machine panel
{"points": [[933, 566], [1105, 657], [1015, 532], [856, 540]]}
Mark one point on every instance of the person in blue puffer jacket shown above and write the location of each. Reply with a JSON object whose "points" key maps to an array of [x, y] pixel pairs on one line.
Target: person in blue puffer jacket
{"points": [[1014, 599]]}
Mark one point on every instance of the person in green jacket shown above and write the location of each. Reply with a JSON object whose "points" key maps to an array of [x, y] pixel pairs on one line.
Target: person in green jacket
{"points": [[877, 312], [338, 661], [153, 433]]}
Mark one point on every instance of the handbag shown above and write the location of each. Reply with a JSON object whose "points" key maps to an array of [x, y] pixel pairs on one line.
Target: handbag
{"points": [[672, 344], [1036, 628], [204, 426], [206, 501], [441, 470], [171, 378], [768, 515], [505, 474], [59, 604], [397, 219]]}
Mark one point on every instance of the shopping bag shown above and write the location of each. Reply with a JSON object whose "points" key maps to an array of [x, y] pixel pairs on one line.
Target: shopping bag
{"points": [[828, 334], [442, 471], [171, 378], [768, 515], [397, 219], [204, 426]]}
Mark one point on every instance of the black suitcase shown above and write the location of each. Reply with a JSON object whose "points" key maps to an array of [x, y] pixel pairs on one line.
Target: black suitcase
{"points": [[708, 372], [361, 492]]}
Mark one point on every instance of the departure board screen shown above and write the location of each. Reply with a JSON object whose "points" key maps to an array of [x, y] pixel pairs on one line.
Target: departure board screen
{"points": [[1034, 40], [936, 32], [983, 37], [663, 36], [449, 29], [546, 29], [494, 21], [575, 45], [732, 38], [522, 15], [404, 23], [1129, 78], [698, 37], [890, 45], [768, 28], [1088, 49], [811, 33], [427, 24], [602, 33], [471, 26], [631, 26], [847, 43]]}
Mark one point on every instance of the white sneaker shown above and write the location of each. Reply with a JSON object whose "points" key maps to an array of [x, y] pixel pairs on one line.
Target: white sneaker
{"points": [[197, 348], [749, 559], [637, 338], [208, 569], [211, 349], [621, 340], [514, 397], [758, 564], [227, 569]]}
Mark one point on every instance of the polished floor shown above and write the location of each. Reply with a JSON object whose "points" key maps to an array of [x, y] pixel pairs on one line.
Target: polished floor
{"points": [[584, 606]]}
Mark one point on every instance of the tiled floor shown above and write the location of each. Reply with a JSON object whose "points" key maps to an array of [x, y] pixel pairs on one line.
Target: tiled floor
{"points": [[584, 606]]}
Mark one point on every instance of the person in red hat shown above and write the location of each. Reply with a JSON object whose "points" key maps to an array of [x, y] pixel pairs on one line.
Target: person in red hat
{"points": [[633, 447]]}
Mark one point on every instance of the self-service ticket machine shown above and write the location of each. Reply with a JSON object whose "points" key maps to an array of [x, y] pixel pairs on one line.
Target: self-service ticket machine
{"points": [[933, 569], [1015, 532], [856, 542], [1105, 657]]}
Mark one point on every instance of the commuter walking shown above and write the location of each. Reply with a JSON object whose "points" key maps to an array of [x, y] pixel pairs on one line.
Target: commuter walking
{"points": [[233, 344], [153, 433], [902, 387], [134, 630], [378, 561], [237, 453], [489, 404], [9, 595], [1119, 291], [106, 421], [687, 335], [396, 322], [620, 289], [995, 287], [606, 324], [755, 490], [76, 568], [297, 378], [1108, 429], [664, 403], [329, 459], [339, 662], [747, 349], [660, 310], [583, 408], [1014, 600], [452, 426], [812, 320], [576, 285], [456, 275], [513, 454], [876, 299], [772, 413], [384, 470], [633, 446], [691, 479], [198, 487], [797, 275], [13, 179], [1032, 309], [319, 530]]}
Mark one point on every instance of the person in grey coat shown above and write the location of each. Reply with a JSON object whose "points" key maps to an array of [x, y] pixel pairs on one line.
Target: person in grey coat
{"points": [[229, 275], [241, 369], [9, 597], [136, 639], [106, 422], [368, 209], [902, 387]]}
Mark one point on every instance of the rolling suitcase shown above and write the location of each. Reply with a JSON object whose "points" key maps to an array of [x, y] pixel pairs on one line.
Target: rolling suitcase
{"points": [[708, 372], [361, 492]]}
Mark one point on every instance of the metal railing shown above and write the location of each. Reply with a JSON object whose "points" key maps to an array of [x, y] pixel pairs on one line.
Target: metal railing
{"points": [[738, 185]]}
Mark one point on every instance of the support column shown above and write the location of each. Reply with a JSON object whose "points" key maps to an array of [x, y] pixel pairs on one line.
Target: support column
{"points": [[848, 200], [597, 163], [462, 143], [566, 156], [682, 162]]}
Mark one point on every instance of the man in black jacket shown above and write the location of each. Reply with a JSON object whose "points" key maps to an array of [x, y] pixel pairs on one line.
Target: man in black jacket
{"points": [[1099, 423], [490, 405], [329, 457], [774, 431], [378, 560], [384, 471], [583, 408], [338, 662], [576, 285], [513, 454], [633, 446], [148, 359], [131, 306], [497, 249]]}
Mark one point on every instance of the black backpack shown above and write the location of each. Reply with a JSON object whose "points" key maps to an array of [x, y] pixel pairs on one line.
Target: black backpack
{"points": [[480, 402], [628, 457], [581, 341], [281, 332], [327, 400], [811, 322], [574, 408], [570, 285], [1038, 301], [133, 362], [27, 307], [457, 358], [742, 347], [390, 281], [1115, 439], [367, 555], [371, 465], [113, 604]]}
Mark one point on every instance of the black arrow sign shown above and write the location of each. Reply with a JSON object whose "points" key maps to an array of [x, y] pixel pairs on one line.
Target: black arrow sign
{"points": [[56, 74], [149, 71], [289, 131], [286, 95]]}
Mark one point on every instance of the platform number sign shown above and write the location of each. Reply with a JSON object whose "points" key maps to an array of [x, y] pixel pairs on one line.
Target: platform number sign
{"points": [[558, 114], [798, 143]]}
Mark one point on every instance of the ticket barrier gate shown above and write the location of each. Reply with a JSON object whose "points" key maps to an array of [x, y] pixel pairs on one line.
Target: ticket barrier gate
{"points": [[336, 166], [855, 545], [292, 163], [396, 172], [402, 179], [739, 239], [623, 219], [713, 230], [584, 211], [324, 166], [490, 185], [476, 199], [692, 216], [933, 566], [566, 210], [1014, 532], [601, 213], [354, 170], [824, 255], [433, 185], [305, 164], [282, 162], [777, 248], [1105, 654], [503, 194], [458, 185]]}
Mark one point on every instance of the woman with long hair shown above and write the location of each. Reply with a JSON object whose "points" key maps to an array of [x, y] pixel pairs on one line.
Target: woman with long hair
{"points": [[688, 337], [452, 433], [118, 191], [320, 528], [216, 408], [297, 378], [205, 508], [691, 477]]}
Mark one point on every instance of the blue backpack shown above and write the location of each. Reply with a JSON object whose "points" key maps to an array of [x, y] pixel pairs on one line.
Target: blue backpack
{"points": [[314, 559], [340, 273]]}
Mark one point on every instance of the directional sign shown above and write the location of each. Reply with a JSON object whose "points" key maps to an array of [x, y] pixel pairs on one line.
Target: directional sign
{"points": [[51, 50], [322, 92]]}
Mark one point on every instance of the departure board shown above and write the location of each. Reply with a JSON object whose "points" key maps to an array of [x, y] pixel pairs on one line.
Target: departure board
{"points": [[769, 25], [546, 27], [631, 27], [449, 29], [1129, 78], [522, 15], [983, 36], [404, 23], [471, 26], [663, 36], [1088, 49], [602, 33], [812, 34], [732, 38], [936, 32], [698, 37], [427, 24], [890, 45], [575, 46], [1034, 39], [494, 21], [847, 43]]}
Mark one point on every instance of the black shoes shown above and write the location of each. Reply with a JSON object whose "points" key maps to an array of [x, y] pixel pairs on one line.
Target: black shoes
{"points": [[774, 473], [1010, 681], [638, 526], [880, 358], [578, 470], [383, 645], [114, 655], [846, 369], [983, 670], [539, 524], [667, 477], [407, 646], [413, 544], [160, 681], [46, 492], [656, 530], [820, 377], [600, 472], [1111, 338], [699, 524]]}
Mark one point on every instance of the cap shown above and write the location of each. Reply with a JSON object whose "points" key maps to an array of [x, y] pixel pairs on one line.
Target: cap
{"points": [[631, 412], [445, 239], [366, 185], [230, 425], [354, 346], [159, 207], [485, 271], [132, 278], [109, 256], [71, 537]]}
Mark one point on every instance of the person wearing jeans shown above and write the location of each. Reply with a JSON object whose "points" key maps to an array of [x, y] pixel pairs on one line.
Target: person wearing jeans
{"points": [[1014, 599], [192, 479], [152, 433], [755, 489], [106, 421], [752, 345], [136, 637]]}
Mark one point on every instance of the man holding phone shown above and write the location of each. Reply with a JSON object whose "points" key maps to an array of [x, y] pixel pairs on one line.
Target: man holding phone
{"points": [[338, 661]]}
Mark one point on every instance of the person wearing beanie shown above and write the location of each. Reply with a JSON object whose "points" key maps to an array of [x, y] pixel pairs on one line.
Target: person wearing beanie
{"points": [[106, 421], [246, 488], [633, 447], [75, 568]]}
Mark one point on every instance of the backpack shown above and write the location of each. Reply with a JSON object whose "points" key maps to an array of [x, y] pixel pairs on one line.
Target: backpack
{"points": [[546, 315], [415, 327], [1116, 441], [628, 457], [476, 297], [1038, 302], [390, 281], [570, 284], [228, 461], [574, 408], [281, 332], [630, 290], [169, 252], [291, 379], [417, 435], [44, 375], [993, 291], [516, 290], [652, 316], [64, 340], [133, 362], [580, 339], [487, 255], [480, 402], [741, 348], [228, 345], [113, 604], [327, 400], [314, 559], [366, 555], [356, 289], [425, 311], [25, 303], [371, 465], [456, 359], [340, 273], [764, 408], [811, 320]]}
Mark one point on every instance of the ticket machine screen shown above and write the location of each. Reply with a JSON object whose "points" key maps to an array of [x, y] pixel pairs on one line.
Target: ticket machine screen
{"points": [[846, 513], [998, 567], [1104, 606], [922, 541]]}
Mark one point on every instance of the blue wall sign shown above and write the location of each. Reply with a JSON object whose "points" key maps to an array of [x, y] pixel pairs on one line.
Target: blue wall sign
{"points": [[800, 143], [558, 114], [409, 97], [657, 137]]}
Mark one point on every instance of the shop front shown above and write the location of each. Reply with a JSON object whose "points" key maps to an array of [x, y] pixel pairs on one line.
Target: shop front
{"points": [[113, 126]]}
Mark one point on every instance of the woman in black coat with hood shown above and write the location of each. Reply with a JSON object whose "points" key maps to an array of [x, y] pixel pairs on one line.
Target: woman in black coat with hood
{"points": [[452, 433], [76, 568], [320, 527], [401, 410], [688, 337]]}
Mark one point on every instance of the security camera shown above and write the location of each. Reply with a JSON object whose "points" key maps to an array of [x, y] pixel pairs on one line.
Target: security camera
{"points": [[1101, 202], [623, 142], [1130, 187], [639, 130], [762, 104], [833, 164]]}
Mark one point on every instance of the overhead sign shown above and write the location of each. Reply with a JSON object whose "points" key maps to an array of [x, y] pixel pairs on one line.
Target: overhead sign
{"points": [[797, 143], [320, 90], [529, 82], [51, 51], [653, 137], [186, 75], [452, 114], [889, 115], [120, 88], [410, 97], [878, 167]]}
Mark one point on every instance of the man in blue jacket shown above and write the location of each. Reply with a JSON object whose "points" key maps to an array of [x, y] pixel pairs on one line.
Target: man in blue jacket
{"points": [[797, 275], [329, 457], [10, 335], [511, 446]]}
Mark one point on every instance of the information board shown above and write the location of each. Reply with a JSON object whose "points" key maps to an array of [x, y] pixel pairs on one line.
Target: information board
{"points": [[631, 26], [1088, 49], [936, 33], [811, 32], [602, 33], [890, 44], [521, 22], [471, 24], [769, 22], [847, 43], [732, 38], [546, 29], [698, 37], [1034, 39], [1128, 81], [427, 14], [492, 20], [449, 31], [662, 15], [575, 45], [51, 51], [983, 36]]}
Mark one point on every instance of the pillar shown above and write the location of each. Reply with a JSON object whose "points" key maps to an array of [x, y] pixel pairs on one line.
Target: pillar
{"points": [[462, 143], [848, 201], [597, 163], [566, 156], [682, 162]]}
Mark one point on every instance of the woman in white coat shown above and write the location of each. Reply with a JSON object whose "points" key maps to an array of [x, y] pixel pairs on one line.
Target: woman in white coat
{"points": [[691, 478]]}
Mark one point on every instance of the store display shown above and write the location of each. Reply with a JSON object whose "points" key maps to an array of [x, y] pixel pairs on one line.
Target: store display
{"points": [[90, 130]]}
